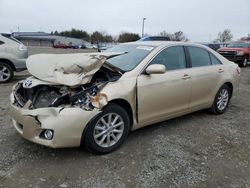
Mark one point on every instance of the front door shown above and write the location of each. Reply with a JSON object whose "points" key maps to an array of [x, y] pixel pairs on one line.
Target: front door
{"points": [[161, 95]]}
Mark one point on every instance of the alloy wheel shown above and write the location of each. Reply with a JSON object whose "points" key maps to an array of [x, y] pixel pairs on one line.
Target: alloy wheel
{"points": [[108, 130], [222, 99], [4, 73]]}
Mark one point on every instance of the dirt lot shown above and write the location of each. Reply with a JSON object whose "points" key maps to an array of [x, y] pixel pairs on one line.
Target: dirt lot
{"points": [[197, 150]]}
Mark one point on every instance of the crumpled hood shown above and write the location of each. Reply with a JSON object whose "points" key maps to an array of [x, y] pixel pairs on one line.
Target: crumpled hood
{"points": [[67, 69]]}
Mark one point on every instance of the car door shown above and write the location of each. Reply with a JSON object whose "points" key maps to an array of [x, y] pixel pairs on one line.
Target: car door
{"points": [[205, 76], [161, 95]]}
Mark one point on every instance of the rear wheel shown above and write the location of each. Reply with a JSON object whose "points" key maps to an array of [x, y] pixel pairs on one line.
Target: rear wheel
{"points": [[221, 100], [108, 130], [243, 63], [6, 72]]}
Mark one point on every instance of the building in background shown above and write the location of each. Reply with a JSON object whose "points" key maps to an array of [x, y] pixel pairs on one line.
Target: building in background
{"points": [[46, 39]]}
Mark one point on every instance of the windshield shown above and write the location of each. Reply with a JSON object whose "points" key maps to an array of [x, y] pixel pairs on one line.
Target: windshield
{"points": [[134, 55], [239, 45]]}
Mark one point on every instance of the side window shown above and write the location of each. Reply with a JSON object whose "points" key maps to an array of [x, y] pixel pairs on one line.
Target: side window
{"points": [[173, 58], [1, 42], [199, 57], [214, 60]]}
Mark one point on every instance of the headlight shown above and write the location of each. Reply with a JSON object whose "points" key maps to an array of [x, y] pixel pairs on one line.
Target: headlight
{"points": [[22, 47], [240, 53]]}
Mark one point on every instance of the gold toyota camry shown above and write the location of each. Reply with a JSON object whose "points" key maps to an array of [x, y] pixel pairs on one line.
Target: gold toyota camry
{"points": [[95, 99]]}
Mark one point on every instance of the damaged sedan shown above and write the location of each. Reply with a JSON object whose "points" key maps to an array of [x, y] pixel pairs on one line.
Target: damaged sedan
{"points": [[95, 99]]}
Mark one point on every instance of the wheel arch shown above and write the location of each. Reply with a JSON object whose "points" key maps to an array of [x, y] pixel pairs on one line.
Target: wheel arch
{"points": [[127, 107], [122, 103], [230, 85], [8, 62]]}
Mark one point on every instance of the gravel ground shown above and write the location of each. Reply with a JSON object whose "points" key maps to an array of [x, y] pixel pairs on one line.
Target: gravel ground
{"points": [[196, 150]]}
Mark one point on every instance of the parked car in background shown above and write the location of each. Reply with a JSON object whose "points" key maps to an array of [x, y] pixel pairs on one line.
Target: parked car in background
{"points": [[13, 56], [238, 52], [154, 38], [60, 46], [214, 46], [95, 99], [83, 46]]}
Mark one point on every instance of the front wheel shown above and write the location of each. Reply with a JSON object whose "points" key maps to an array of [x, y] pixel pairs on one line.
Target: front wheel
{"points": [[221, 100], [108, 130]]}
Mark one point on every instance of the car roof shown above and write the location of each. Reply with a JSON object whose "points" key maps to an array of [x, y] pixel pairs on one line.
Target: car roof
{"points": [[164, 43]]}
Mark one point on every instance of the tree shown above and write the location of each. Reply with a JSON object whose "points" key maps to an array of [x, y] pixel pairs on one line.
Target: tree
{"points": [[108, 38], [128, 37], [75, 33], [96, 37], [224, 36], [176, 36], [179, 36]]}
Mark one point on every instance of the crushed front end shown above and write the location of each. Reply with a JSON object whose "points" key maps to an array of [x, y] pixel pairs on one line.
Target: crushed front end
{"points": [[55, 115]]}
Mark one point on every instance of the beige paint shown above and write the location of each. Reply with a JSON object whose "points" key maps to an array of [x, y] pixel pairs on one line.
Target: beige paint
{"points": [[153, 98], [68, 124]]}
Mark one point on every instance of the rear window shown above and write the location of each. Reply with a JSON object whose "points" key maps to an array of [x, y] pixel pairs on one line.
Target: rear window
{"points": [[1, 42], [199, 57], [11, 38], [214, 60]]}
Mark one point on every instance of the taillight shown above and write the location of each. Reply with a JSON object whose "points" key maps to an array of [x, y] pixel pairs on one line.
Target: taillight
{"points": [[238, 70]]}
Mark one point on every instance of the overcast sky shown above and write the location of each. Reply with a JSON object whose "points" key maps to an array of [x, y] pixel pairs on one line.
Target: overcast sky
{"points": [[200, 20]]}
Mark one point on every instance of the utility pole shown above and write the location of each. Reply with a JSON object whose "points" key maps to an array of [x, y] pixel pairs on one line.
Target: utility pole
{"points": [[143, 20]]}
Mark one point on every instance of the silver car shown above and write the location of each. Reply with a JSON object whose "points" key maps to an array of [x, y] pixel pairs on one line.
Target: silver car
{"points": [[13, 55]]}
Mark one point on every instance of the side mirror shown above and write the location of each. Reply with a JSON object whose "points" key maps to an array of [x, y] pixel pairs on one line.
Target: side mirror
{"points": [[156, 69]]}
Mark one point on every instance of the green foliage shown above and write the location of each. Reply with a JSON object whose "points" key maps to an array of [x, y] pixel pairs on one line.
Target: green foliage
{"points": [[128, 37], [75, 33], [98, 37]]}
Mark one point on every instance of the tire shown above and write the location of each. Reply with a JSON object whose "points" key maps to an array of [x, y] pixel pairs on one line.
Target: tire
{"points": [[6, 72], [221, 100], [100, 137], [243, 63]]}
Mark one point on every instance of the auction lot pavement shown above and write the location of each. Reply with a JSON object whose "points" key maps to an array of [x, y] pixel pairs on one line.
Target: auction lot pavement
{"points": [[196, 150]]}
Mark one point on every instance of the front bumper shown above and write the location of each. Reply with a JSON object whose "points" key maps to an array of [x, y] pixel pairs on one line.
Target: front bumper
{"points": [[67, 123], [234, 58]]}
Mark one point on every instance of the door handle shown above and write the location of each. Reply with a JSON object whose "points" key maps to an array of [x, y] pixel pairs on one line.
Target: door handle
{"points": [[220, 70], [186, 76]]}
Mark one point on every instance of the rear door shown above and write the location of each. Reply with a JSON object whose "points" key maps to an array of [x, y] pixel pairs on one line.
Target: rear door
{"points": [[206, 73]]}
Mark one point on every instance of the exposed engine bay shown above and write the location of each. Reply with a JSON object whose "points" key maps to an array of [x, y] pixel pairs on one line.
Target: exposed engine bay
{"points": [[86, 96]]}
